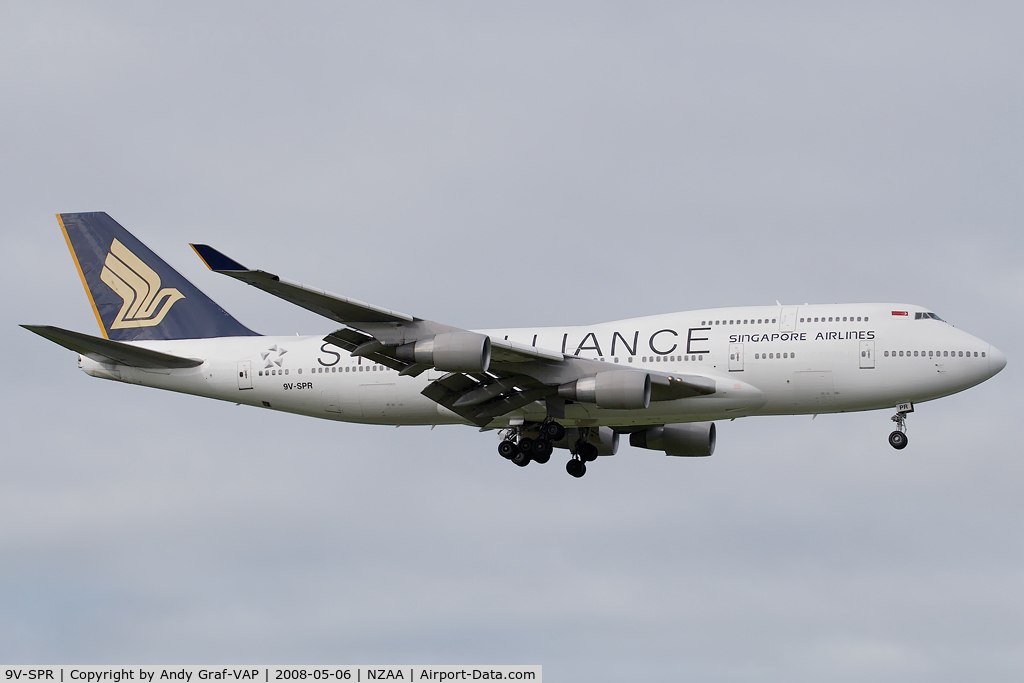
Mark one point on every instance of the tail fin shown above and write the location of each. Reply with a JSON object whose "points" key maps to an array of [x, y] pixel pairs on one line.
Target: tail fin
{"points": [[133, 292]]}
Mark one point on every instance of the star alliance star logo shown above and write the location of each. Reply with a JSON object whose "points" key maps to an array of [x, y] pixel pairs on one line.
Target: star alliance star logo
{"points": [[274, 356]]}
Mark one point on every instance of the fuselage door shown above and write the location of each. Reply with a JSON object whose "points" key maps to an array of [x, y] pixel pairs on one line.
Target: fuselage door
{"points": [[735, 357], [244, 374], [787, 323], [867, 354]]}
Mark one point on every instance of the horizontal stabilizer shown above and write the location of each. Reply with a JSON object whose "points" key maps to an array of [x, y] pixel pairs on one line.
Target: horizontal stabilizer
{"points": [[106, 351]]}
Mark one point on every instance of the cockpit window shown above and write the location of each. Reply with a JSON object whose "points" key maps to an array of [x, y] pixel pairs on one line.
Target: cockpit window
{"points": [[926, 316]]}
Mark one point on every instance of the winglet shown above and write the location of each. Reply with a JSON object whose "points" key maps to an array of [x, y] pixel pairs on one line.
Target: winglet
{"points": [[215, 260]]}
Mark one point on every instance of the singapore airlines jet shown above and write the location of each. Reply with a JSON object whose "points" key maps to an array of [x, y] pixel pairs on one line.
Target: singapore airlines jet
{"points": [[661, 379]]}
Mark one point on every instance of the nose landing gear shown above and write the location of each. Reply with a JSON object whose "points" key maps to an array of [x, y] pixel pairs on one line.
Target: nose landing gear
{"points": [[898, 438]]}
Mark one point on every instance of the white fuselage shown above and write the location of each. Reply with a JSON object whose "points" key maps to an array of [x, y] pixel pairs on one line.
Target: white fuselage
{"points": [[765, 361]]}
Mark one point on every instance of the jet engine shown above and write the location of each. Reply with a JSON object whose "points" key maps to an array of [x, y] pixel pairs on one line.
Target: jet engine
{"points": [[450, 352], [692, 439], [624, 389]]}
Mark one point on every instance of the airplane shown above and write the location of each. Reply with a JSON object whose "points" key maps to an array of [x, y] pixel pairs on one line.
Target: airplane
{"points": [[662, 380]]}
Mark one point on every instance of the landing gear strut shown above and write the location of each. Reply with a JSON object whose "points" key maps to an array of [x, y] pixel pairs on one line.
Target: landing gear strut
{"points": [[898, 439]]}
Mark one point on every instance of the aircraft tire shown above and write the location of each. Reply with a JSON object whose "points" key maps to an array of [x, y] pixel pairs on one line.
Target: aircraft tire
{"points": [[898, 440], [507, 449], [554, 431], [576, 468], [587, 452], [542, 449], [522, 458], [526, 445]]}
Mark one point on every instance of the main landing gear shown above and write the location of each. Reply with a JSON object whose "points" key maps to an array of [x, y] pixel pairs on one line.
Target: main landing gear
{"points": [[582, 452], [535, 441], [530, 442], [898, 439]]}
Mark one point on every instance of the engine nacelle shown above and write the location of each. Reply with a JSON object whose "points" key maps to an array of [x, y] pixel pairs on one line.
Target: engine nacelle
{"points": [[623, 389], [690, 439], [605, 438], [450, 351]]}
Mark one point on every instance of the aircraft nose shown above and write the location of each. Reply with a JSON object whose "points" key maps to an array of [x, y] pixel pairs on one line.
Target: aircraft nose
{"points": [[996, 360]]}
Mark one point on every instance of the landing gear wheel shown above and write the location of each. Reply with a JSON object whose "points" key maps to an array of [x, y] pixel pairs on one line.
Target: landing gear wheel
{"points": [[526, 445], [507, 449], [898, 440], [576, 468], [587, 452], [521, 458], [542, 450], [553, 431]]}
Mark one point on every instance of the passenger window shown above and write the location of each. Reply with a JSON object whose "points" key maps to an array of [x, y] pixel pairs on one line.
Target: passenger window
{"points": [[865, 318], [785, 355], [300, 371], [773, 319], [982, 354], [286, 372]]}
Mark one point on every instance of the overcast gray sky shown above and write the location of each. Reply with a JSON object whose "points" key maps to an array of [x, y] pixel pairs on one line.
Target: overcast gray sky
{"points": [[493, 165]]}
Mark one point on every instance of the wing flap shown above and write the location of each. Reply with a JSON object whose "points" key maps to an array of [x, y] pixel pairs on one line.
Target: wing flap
{"points": [[104, 350]]}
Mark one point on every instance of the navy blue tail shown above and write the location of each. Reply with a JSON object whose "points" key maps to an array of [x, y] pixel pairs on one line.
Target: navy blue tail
{"points": [[134, 293]]}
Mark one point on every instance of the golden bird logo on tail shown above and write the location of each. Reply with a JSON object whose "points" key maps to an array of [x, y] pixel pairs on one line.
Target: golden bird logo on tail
{"points": [[145, 303]]}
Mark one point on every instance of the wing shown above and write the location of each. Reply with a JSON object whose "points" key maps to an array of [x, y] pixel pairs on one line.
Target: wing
{"points": [[509, 375], [389, 328], [105, 351]]}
